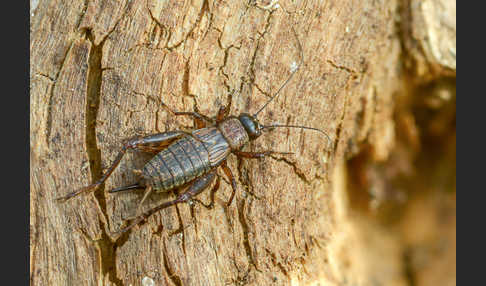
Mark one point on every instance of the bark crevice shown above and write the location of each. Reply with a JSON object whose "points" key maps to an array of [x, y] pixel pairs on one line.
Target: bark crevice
{"points": [[106, 245]]}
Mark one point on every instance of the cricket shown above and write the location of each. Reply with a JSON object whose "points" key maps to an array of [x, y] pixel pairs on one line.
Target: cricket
{"points": [[189, 160]]}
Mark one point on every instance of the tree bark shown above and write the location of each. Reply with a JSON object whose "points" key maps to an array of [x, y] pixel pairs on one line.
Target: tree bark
{"points": [[104, 71]]}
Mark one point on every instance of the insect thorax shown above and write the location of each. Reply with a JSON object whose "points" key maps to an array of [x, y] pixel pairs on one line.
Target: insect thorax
{"points": [[234, 132]]}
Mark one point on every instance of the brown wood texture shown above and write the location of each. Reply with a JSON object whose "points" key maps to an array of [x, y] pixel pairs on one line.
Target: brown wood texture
{"points": [[104, 71]]}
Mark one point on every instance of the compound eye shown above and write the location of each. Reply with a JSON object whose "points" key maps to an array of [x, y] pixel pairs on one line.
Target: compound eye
{"points": [[252, 127], [258, 131]]}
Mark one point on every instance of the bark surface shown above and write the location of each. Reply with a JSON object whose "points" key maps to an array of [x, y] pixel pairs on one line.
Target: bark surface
{"points": [[104, 71]]}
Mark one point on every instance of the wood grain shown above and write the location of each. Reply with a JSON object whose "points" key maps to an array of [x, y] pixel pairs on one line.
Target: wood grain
{"points": [[104, 71]]}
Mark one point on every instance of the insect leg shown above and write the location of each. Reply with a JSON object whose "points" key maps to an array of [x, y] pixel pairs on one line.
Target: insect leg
{"points": [[156, 142], [213, 191], [199, 185], [201, 119], [229, 174], [151, 143], [257, 155], [224, 110]]}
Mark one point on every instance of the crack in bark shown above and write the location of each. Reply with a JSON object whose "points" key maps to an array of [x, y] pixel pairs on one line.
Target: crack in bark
{"points": [[340, 125], [46, 76], [185, 78], [225, 61], [210, 21], [185, 85], [297, 171], [172, 276], [261, 90], [245, 228], [252, 66], [204, 7], [243, 180], [279, 265], [49, 116], [193, 217], [148, 97], [93, 95], [253, 59], [108, 33], [267, 24], [160, 25], [225, 58], [157, 128], [349, 70]]}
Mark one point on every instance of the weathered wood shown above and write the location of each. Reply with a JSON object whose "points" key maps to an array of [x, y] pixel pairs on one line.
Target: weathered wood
{"points": [[429, 38], [103, 71]]}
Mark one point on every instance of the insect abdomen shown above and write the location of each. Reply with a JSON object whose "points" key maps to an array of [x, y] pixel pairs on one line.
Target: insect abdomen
{"points": [[185, 159], [181, 162]]}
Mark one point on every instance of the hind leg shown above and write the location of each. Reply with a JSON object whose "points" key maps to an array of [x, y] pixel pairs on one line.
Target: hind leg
{"points": [[195, 188], [213, 191], [151, 143]]}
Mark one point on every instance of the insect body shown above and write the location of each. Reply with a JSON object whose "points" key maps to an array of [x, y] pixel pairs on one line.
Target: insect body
{"points": [[190, 159], [187, 158]]}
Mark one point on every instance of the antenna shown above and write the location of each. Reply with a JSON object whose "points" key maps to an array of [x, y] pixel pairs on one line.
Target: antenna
{"points": [[301, 127], [288, 79]]}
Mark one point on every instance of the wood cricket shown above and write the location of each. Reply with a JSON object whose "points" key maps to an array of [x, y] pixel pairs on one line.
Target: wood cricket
{"points": [[189, 160]]}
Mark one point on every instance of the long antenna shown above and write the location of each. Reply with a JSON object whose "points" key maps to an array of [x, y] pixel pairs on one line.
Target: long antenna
{"points": [[288, 79], [301, 127]]}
